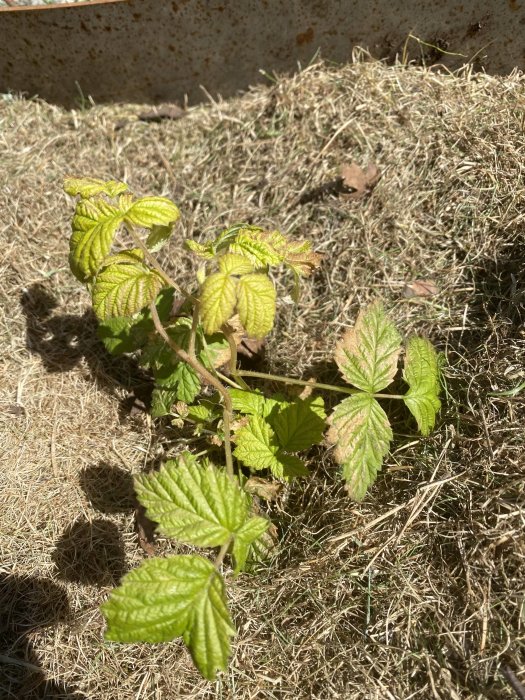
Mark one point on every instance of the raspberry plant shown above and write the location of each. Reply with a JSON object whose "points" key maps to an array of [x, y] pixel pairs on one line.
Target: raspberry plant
{"points": [[185, 337]]}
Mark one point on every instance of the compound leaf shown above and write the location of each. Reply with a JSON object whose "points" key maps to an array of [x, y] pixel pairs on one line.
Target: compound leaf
{"points": [[300, 424], [124, 289], [217, 301], [150, 211], [361, 433], [172, 597], [262, 248], [91, 186], [94, 225], [258, 448], [252, 530], [421, 373], [367, 354], [256, 304], [192, 503]]}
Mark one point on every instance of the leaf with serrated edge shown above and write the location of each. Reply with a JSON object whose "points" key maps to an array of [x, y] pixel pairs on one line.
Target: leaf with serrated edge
{"points": [[256, 304], [234, 264], [192, 503], [218, 298], [158, 237], [257, 447], [134, 255], [161, 402], [361, 433], [122, 290], [181, 378], [90, 186], [95, 224], [300, 424], [367, 354], [252, 403], [171, 597], [252, 530], [150, 211], [210, 627], [421, 373]]}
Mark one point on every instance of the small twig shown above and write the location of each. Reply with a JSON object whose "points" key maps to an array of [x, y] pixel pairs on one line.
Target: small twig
{"points": [[298, 382], [222, 553]]}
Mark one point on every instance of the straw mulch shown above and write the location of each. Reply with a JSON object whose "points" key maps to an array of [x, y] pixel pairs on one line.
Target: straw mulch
{"points": [[418, 592]]}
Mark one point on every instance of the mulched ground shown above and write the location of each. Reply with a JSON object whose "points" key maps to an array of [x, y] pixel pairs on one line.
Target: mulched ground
{"points": [[416, 593]]}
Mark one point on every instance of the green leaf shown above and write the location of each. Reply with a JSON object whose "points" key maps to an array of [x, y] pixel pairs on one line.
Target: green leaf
{"points": [[192, 503], [248, 402], [94, 225], [361, 433], [234, 264], [262, 248], [256, 304], [150, 211], [300, 424], [123, 334], [124, 289], [158, 237], [201, 250], [367, 354], [161, 402], [217, 301], [172, 597], [421, 373], [90, 186], [124, 257], [181, 378], [257, 447], [252, 530]]}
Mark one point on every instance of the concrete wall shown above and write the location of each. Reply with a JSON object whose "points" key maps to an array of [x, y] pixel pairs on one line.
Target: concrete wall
{"points": [[162, 50]]}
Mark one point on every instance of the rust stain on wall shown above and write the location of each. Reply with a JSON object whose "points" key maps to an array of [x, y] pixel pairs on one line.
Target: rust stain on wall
{"points": [[306, 37]]}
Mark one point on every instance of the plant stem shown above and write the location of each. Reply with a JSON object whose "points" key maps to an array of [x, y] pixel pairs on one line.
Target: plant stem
{"points": [[230, 337], [155, 263], [209, 378], [299, 382], [222, 553], [193, 332], [313, 385]]}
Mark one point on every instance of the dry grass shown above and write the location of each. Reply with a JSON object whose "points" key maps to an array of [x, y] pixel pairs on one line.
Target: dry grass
{"points": [[416, 593]]}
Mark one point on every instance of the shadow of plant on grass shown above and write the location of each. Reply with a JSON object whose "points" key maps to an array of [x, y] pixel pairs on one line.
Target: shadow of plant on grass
{"points": [[90, 552], [28, 604], [108, 488], [64, 340]]}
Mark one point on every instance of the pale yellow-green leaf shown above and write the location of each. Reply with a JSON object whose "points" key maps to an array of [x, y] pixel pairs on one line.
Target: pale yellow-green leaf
{"points": [[217, 300], [361, 434], [421, 373], [234, 264], [124, 289], [95, 224], [256, 304], [127, 257], [202, 251], [90, 186], [367, 354], [150, 211]]}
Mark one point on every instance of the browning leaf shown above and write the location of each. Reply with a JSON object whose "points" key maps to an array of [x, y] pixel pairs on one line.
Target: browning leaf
{"points": [[358, 181]]}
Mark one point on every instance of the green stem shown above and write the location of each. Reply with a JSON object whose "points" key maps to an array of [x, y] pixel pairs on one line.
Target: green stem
{"points": [[298, 382], [313, 385], [209, 378], [230, 337], [222, 553]]}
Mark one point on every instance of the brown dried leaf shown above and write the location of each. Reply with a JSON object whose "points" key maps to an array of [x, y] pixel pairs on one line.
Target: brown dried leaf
{"points": [[268, 490], [358, 181], [420, 288]]}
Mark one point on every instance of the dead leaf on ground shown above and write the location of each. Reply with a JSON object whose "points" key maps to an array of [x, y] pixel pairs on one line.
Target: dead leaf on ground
{"points": [[358, 181], [268, 490], [168, 111], [420, 288]]}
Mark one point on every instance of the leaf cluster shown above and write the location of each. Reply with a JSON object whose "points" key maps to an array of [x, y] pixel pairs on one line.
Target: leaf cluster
{"points": [[188, 340]]}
